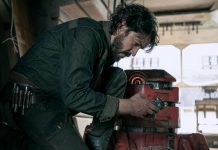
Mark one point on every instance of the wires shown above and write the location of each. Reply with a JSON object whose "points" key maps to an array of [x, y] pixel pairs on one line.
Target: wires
{"points": [[11, 37]]}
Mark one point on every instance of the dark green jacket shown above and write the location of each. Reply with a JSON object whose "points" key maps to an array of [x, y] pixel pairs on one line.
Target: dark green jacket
{"points": [[67, 62]]}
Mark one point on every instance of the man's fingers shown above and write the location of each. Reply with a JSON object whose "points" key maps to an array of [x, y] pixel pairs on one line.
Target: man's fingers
{"points": [[150, 112], [154, 108], [150, 109]]}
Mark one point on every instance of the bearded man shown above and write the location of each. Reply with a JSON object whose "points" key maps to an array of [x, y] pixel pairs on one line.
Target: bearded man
{"points": [[69, 70]]}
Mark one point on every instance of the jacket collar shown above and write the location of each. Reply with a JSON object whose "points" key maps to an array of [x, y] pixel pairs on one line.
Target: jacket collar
{"points": [[106, 28]]}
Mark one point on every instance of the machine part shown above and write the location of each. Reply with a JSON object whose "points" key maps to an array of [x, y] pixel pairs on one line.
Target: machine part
{"points": [[156, 148], [148, 130], [171, 138], [141, 141], [161, 104], [154, 75], [194, 141], [157, 132], [170, 95], [137, 79], [159, 85], [158, 141], [166, 118]]}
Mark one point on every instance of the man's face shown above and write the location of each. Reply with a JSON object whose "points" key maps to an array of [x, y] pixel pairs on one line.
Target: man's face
{"points": [[126, 44]]}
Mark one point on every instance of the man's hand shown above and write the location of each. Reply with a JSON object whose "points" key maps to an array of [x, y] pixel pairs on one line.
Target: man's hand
{"points": [[137, 106]]}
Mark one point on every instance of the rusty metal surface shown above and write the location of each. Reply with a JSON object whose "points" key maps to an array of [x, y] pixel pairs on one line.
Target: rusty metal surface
{"points": [[155, 132], [150, 75]]}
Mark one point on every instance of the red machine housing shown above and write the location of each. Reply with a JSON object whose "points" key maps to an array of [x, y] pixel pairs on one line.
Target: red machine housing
{"points": [[154, 84], [157, 132]]}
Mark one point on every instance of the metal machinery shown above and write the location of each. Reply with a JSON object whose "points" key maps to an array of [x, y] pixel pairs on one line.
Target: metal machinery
{"points": [[154, 132]]}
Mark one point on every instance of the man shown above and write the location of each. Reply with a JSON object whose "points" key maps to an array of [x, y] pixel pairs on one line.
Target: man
{"points": [[68, 70]]}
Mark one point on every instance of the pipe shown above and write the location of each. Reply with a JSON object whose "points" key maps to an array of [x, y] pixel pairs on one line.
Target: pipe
{"points": [[105, 5], [78, 4]]}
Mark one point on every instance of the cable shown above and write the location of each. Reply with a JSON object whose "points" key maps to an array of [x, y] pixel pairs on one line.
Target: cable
{"points": [[11, 37]]}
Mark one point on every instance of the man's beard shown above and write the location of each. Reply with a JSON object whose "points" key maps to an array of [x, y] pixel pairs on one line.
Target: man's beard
{"points": [[116, 47]]}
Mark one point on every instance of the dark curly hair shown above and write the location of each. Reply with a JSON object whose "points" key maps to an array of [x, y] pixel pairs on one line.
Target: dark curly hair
{"points": [[138, 19]]}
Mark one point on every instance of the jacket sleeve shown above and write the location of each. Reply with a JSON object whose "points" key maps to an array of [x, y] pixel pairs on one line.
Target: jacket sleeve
{"points": [[83, 49]]}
